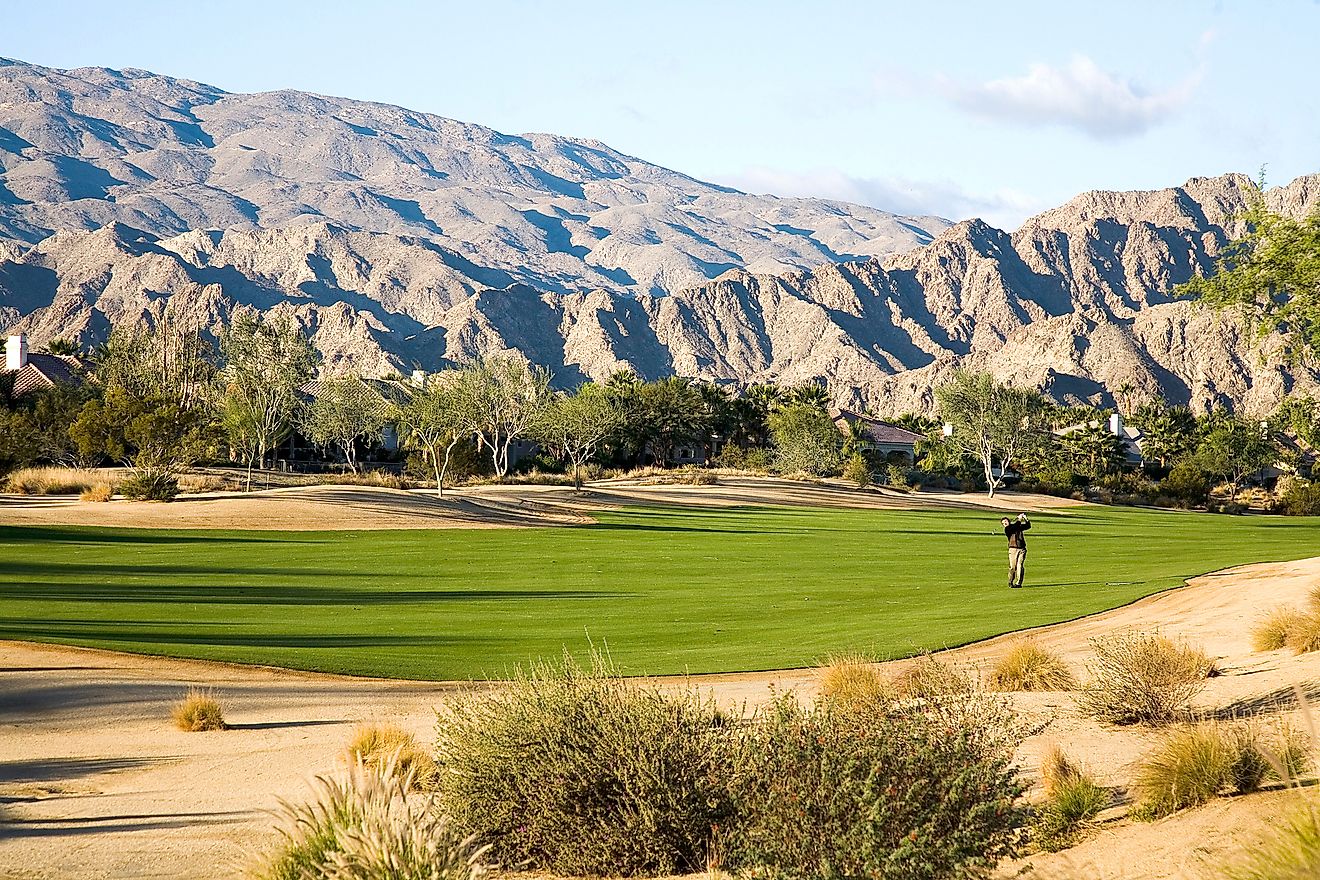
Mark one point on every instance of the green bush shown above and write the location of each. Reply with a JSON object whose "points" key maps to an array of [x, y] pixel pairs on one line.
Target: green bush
{"points": [[150, 486], [1073, 800], [1187, 482], [857, 470], [1300, 499], [827, 793], [583, 772]]}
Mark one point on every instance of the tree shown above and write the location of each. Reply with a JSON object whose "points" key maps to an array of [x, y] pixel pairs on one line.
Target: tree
{"points": [[992, 422], [1168, 432], [154, 410], [437, 417], [1093, 450], [573, 427], [806, 439], [506, 394], [669, 412], [809, 393], [1234, 449], [265, 363], [1271, 276], [343, 412], [63, 347]]}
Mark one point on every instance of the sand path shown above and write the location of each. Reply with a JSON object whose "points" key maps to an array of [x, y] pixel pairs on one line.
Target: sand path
{"points": [[95, 783]]}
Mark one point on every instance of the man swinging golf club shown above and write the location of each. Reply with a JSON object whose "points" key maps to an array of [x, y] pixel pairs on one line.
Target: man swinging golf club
{"points": [[1017, 547]]}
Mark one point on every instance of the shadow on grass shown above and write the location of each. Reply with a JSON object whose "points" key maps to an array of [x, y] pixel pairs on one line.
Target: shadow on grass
{"points": [[274, 594]]}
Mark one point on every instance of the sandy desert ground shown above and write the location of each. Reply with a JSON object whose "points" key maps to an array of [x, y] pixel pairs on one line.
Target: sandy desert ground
{"points": [[94, 782]]}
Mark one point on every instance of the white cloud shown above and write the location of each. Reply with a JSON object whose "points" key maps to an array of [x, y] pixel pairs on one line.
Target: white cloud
{"points": [[1003, 208], [1080, 95]]}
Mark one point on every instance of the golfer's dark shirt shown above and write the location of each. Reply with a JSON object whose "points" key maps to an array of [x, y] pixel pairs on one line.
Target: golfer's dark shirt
{"points": [[1016, 540]]}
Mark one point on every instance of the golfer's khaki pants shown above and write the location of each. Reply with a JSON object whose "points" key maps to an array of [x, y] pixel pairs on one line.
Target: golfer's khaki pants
{"points": [[1017, 565]]}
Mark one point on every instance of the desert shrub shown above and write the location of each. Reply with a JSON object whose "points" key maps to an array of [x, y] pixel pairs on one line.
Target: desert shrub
{"points": [[1300, 499], [1073, 798], [149, 486], [1029, 667], [1313, 599], [378, 479], [1189, 767], [388, 745], [1271, 632], [1304, 633], [52, 480], [928, 678], [1194, 763], [896, 475], [854, 684], [194, 483], [821, 793], [1292, 852], [99, 493], [697, 476], [198, 711], [856, 470], [1143, 678], [584, 772], [365, 827]]}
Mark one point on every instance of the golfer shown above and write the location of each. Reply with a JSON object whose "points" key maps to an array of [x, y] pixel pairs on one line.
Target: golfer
{"points": [[1017, 548]]}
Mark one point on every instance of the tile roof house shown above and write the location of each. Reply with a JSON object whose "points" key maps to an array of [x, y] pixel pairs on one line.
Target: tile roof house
{"points": [[1130, 438], [33, 372], [881, 437]]}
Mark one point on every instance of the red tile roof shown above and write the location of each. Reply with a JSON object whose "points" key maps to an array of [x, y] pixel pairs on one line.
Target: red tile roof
{"points": [[45, 371], [877, 431]]}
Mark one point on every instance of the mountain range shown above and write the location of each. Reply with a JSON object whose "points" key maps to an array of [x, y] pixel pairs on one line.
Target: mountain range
{"points": [[404, 240]]}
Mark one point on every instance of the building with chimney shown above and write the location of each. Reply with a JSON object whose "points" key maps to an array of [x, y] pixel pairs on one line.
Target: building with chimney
{"points": [[34, 371]]}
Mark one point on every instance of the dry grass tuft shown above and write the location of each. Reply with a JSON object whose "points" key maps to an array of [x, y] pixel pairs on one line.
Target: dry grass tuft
{"points": [[1195, 763], [100, 492], [928, 678], [1293, 852], [388, 745], [52, 480], [379, 479], [1029, 667], [1143, 678], [198, 711], [195, 483], [1073, 799], [1313, 599], [1271, 632], [853, 683], [366, 827], [1304, 634]]}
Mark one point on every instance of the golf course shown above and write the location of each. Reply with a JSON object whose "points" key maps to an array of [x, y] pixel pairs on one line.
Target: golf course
{"points": [[666, 589]]}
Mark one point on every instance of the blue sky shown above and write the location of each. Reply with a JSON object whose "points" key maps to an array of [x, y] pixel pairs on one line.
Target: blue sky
{"points": [[960, 109]]}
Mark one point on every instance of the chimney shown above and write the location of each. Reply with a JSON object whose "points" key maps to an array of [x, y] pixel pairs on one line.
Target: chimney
{"points": [[419, 378], [16, 352], [1116, 425], [947, 429]]}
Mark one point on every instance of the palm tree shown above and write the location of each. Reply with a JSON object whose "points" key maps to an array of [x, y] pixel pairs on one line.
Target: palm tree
{"points": [[810, 394]]}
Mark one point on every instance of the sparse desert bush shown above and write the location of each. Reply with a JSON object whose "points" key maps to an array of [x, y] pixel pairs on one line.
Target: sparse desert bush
{"points": [[1292, 853], [52, 480], [929, 678], [1026, 666], [1190, 766], [365, 827], [1300, 499], [1271, 632], [1313, 599], [100, 492], [1194, 763], [149, 486], [1073, 798], [1304, 633], [584, 772], [388, 745], [854, 684], [379, 479], [199, 710], [1143, 678], [194, 483], [823, 793]]}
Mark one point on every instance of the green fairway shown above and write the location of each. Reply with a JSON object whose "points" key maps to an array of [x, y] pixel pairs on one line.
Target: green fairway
{"points": [[669, 590]]}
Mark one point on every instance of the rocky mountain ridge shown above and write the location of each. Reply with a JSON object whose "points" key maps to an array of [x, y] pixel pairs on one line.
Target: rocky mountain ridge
{"points": [[1077, 302], [81, 149]]}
